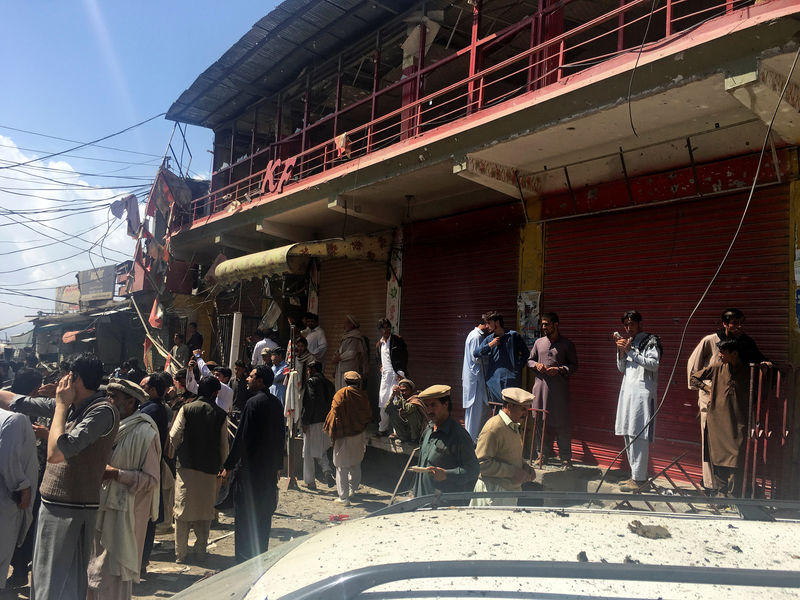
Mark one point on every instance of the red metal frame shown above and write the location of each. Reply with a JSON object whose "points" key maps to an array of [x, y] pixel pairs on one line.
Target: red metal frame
{"points": [[544, 63]]}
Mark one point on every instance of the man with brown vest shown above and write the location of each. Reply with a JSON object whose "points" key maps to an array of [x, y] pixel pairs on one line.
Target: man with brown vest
{"points": [[82, 432], [200, 437]]}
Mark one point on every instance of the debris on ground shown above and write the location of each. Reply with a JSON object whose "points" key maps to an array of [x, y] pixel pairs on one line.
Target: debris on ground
{"points": [[338, 518], [653, 532], [582, 556]]}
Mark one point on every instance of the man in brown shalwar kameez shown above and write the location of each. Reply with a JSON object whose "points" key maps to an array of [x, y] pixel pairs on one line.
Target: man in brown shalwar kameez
{"points": [[726, 419]]}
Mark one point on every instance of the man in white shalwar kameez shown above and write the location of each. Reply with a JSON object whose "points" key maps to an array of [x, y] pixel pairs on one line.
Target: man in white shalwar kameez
{"points": [[392, 357], [19, 470], [638, 355], [128, 497], [473, 382]]}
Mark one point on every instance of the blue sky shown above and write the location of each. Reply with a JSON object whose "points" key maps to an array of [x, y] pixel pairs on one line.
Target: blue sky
{"points": [[81, 70]]}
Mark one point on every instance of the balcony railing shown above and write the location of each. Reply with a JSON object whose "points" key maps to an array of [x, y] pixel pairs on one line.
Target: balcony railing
{"points": [[627, 28]]}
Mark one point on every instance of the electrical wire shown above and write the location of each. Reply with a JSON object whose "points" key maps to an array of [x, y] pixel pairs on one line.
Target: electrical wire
{"points": [[93, 158], [51, 243], [83, 250], [106, 175], [84, 144], [716, 273], [60, 139], [636, 64]]}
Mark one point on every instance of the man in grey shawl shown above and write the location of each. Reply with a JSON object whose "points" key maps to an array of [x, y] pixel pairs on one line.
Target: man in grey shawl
{"points": [[352, 354], [128, 497]]}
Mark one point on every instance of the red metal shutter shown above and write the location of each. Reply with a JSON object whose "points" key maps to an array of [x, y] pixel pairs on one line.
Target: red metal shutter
{"points": [[353, 287], [451, 275], [658, 261]]}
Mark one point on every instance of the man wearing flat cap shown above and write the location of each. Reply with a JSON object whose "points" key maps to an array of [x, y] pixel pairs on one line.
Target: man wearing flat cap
{"points": [[352, 354], [129, 496], [446, 450], [345, 424], [406, 413], [499, 450]]}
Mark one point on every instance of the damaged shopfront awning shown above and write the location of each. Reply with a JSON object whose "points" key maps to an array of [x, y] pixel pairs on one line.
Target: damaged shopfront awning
{"points": [[82, 335], [294, 258]]}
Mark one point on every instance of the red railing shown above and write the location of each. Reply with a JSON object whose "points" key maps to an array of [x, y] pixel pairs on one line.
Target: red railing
{"points": [[541, 65]]}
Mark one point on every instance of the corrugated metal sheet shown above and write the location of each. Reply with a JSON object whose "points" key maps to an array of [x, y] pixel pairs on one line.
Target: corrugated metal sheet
{"points": [[357, 288], [452, 273], [658, 261], [294, 35]]}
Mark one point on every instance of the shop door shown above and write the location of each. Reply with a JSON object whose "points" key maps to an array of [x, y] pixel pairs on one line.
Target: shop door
{"points": [[357, 288], [658, 261], [454, 270]]}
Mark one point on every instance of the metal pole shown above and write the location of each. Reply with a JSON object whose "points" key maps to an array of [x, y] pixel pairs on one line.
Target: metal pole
{"points": [[236, 338], [291, 484], [473, 52], [748, 433]]}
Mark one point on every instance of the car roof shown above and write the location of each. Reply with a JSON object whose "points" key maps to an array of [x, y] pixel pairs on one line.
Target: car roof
{"points": [[538, 534]]}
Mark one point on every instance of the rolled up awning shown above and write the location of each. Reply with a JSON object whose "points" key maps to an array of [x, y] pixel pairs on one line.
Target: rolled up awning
{"points": [[294, 258]]}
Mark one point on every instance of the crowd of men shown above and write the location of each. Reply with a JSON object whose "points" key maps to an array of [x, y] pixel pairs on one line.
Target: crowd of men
{"points": [[91, 467]]}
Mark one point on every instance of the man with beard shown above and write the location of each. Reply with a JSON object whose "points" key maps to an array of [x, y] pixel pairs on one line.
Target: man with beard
{"points": [[352, 354], [129, 498], [506, 354], [446, 451], [706, 354], [257, 458]]}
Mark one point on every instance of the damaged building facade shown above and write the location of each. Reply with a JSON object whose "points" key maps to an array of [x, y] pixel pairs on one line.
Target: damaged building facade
{"points": [[431, 161]]}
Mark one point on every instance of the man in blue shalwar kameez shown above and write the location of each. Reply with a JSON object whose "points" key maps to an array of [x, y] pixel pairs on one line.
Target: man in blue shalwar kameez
{"points": [[507, 354], [473, 383]]}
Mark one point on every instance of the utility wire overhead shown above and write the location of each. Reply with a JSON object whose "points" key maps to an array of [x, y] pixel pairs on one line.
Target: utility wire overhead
{"points": [[107, 174], [52, 137], [82, 250], [94, 158], [83, 145]]}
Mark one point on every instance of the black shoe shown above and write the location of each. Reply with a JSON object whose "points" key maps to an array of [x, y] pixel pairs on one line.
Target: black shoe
{"points": [[383, 433], [329, 479], [18, 579]]}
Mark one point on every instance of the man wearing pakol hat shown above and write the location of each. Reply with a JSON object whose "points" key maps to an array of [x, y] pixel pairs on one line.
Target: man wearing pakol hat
{"points": [[406, 413], [446, 450], [499, 450], [129, 496], [345, 424], [352, 354]]}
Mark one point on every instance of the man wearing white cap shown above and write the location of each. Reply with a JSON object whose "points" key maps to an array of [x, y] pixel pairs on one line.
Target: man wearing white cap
{"points": [[352, 354], [129, 496], [499, 451]]}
